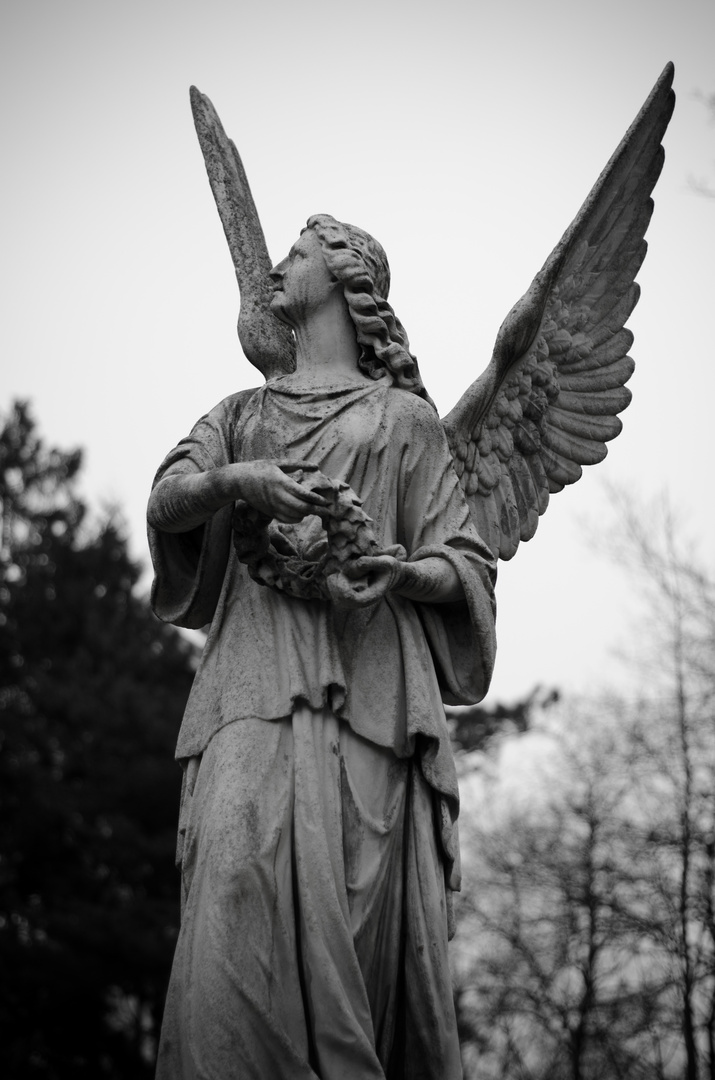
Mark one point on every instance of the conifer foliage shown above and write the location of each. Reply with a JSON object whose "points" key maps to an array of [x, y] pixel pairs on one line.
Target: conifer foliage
{"points": [[92, 689]]}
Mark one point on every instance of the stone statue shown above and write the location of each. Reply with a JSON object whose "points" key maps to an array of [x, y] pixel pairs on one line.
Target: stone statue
{"points": [[340, 543]]}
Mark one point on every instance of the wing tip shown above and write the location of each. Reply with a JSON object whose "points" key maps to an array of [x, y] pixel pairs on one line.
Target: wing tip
{"points": [[664, 89], [667, 74], [202, 111]]}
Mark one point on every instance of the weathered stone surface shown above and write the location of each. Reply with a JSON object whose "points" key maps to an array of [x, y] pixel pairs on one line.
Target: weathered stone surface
{"points": [[319, 527]]}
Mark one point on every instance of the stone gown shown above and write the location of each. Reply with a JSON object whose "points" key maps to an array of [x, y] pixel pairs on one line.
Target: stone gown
{"points": [[318, 821]]}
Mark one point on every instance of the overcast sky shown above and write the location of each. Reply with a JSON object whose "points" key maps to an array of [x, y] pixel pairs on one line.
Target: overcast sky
{"points": [[463, 135]]}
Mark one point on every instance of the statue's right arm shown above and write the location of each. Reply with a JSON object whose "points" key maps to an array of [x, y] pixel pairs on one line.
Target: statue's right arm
{"points": [[182, 501]]}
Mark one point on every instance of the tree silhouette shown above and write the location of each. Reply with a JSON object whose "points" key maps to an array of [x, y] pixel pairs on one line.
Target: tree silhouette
{"points": [[473, 727], [92, 689]]}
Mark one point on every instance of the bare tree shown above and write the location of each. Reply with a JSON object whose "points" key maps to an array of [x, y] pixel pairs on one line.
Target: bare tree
{"points": [[587, 937], [556, 966], [673, 754]]}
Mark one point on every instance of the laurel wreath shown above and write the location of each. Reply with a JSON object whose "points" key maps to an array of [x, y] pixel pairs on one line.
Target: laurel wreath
{"points": [[271, 561]]}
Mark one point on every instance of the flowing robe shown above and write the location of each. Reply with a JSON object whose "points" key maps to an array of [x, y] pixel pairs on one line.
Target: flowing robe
{"points": [[320, 845]]}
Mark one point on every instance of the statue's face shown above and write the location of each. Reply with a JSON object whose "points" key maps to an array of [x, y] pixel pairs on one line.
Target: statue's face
{"points": [[302, 282]]}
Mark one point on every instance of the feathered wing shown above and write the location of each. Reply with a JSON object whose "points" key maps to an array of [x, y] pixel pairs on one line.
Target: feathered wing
{"points": [[548, 401], [267, 343]]}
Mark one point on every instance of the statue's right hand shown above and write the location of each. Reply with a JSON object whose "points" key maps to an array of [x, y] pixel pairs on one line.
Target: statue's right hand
{"points": [[266, 487]]}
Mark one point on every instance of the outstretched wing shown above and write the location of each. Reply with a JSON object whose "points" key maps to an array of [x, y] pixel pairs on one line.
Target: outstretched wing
{"points": [[267, 343], [548, 402]]}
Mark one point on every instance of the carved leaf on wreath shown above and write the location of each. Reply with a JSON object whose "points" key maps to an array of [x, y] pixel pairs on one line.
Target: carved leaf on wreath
{"points": [[299, 563]]}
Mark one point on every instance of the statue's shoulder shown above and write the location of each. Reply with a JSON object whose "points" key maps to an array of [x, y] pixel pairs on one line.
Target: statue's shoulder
{"points": [[412, 411], [234, 404], [215, 431], [228, 411]]}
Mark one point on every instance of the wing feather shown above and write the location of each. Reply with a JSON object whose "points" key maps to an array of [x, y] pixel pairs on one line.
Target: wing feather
{"points": [[586, 425], [601, 381], [525, 493], [551, 395], [572, 447], [541, 484], [560, 471], [606, 403], [507, 514], [490, 527]]}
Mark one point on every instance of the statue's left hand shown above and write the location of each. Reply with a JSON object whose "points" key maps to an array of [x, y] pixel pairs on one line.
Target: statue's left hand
{"points": [[364, 581], [368, 579]]}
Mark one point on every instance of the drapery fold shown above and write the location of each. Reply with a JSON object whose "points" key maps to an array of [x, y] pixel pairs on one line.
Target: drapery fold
{"points": [[318, 827], [314, 926]]}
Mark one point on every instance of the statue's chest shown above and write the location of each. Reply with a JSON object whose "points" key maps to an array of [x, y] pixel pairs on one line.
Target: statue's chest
{"points": [[310, 434]]}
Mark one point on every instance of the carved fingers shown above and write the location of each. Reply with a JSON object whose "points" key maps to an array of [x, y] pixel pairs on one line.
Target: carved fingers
{"points": [[266, 487], [363, 581]]}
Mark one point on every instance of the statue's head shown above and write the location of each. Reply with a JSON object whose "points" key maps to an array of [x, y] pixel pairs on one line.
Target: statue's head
{"points": [[353, 256], [356, 261], [360, 264]]}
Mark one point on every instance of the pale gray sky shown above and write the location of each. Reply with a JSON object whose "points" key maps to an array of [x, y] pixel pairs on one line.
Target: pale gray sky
{"points": [[464, 136]]}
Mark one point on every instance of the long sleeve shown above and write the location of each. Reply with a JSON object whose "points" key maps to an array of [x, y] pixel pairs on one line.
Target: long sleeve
{"points": [[189, 567]]}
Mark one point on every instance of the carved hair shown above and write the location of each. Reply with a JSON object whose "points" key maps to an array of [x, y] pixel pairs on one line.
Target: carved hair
{"points": [[359, 263]]}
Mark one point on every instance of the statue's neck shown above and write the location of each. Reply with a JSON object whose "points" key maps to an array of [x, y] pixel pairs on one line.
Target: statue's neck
{"points": [[326, 345]]}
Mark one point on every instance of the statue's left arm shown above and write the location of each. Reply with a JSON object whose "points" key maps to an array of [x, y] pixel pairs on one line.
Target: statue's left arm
{"points": [[450, 572], [442, 567], [366, 580]]}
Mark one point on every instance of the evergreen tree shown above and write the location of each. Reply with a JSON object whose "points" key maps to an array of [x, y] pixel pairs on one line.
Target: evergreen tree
{"points": [[92, 689]]}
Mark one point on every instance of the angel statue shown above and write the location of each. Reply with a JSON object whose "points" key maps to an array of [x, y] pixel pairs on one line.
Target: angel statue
{"points": [[340, 543]]}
